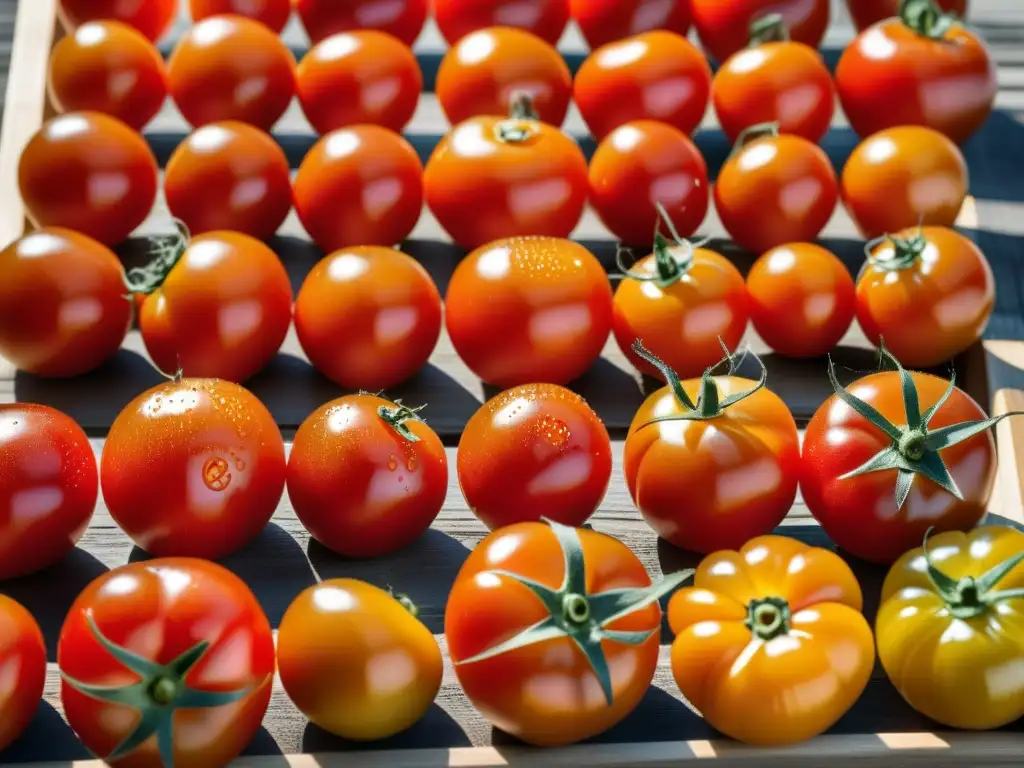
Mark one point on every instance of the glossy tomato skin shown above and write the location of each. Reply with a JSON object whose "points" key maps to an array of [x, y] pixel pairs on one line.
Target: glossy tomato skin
{"points": [[655, 75], [724, 25], [23, 666], [403, 19], [867, 12], [88, 172], [62, 306], [544, 18], [534, 451], [484, 610], [229, 176], [605, 21], [360, 185], [159, 609], [529, 309], [193, 468], [151, 17], [273, 13]]}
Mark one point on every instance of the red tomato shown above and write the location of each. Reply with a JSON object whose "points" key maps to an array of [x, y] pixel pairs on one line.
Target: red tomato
{"points": [[486, 71], [151, 17], [651, 76], [802, 299], [867, 12], [62, 305], [166, 662], [358, 77], [402, 18], [360, 185], [90, 173], [724, 25], [605, 21], [22, 668], [544, 18], [231, 68], [273, 13], [529, 309], [366, 476]]}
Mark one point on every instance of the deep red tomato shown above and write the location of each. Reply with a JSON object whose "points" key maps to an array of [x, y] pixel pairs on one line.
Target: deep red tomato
{"points": [[151, 17], [651, 76], [724, 25], [231, 68], [22, 668], [88, 172], [544, 18], [361, 185], [605, 21], [366, 476], [531, 452], [358, 77], [273, 13], [402, 18], [166, 662], [867, 12]]}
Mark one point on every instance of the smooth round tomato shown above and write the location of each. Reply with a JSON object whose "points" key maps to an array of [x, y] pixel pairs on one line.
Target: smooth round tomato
{"points": [[802, 299], [776, 189], [358, 77], [724, 25], [368, 317], [151, 17], [88, 172], [867, 12], [22, 668], [923, 174], [529, 309], [531, 452], [62, 305], [544, 18], [273, 13], [361, 185], [231, 68], [486, 71], [402, 18], [605, 21], [518, 176], [761, 627], [651, 76], [166, 661]]}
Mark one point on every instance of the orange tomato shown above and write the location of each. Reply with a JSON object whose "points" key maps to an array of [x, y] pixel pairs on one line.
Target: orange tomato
{"points": [[23, 668], [273, 13], [544, 18], [151, 17], [605, 21], [867, 12], [402, 18], [724, 25]]}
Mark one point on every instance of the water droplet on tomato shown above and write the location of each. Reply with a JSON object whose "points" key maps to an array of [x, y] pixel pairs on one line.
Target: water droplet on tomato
{"points": [[392, 463], [216, 474], [411, 464]]}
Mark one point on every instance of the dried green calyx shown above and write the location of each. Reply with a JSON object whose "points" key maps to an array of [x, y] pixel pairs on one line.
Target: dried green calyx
{"points": [[165, 251], [968, 597], [905, 252], [768, 617], [672, 258], [398, 416], [520, 125], [770, 28], [926, 18]]}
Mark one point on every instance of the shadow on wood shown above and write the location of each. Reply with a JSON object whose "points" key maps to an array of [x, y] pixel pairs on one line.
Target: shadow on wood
{"points": [[435, 730], [263, 744], [47, 738]]}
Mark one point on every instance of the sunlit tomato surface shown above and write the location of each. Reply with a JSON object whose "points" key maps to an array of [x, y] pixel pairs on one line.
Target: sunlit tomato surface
{"points": [[229, 176], [605, 21], [805, 633], [724, 25], [534, 451], [776, 190], [518, 177], [357, 77], [923, 174], [652, 76], [151, 17], [802, 299], [402, 18], [544, 18], [157, 611], [88, 172], [485, 71], [529, 309], [62, 305], [361, 185], [22, 667], [866, 12], [231, 68], [273, 13]]}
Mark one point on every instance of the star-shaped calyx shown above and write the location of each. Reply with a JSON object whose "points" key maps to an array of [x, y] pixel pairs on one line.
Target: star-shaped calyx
{"points": [[397, 417], [968, 597], [580, 616], [672, 258]]}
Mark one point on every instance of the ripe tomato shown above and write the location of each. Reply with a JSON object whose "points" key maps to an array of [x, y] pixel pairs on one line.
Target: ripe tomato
{"points": [[605, 21], [762, 626], [529, 309], [775, 189], [724, 25], [62, 305], [358, 77], [402, 18], [231, 68], [928, 293], [166, 662], [867, 12], [22, 668], [531, 452], [486, 71], [273, 13], [802, 299], [360, 185], [151, 17], [544, 18], [193, 467], [90, 173], [518, 176], [923, 174]]}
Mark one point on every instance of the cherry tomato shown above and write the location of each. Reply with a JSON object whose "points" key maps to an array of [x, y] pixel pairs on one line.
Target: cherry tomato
{"points": [[151, 17], [605, 21], [802, 299], [529, 309], [360, 185], [487, 70], [22, 668], [231, 68], [867, 12], [402, 18], [651, 76], [273, 13], [518, 176], [357, 77], [544, 18], [923, 174], [368, 317], [90, 173], [166, 662], [724, 25], [62, 305]]}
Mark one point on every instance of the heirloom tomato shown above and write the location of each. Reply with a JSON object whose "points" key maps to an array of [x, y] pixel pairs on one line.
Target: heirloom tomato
{"points": [[651, 76], [531, 452], [166, 662], [867, 12], [22, 668], [339, 647], [605, 21], [193, 467], [544, 18], [151, 17], [273, 13], [950, 627], [554, 631], [724, 25], [88, 172], [403, 19], [763, 627]]}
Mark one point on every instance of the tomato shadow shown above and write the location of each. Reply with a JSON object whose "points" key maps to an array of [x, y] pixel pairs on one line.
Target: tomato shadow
{"points": [[435, 730], [264, 745], [991, 153], [46, 739], [438, 257]]}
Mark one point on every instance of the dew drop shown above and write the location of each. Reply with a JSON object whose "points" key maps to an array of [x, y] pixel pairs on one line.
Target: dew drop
{"points": [[392, 463]]}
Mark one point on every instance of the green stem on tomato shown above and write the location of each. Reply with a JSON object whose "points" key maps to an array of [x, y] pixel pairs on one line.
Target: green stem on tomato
{"points": [[770, 28], [925, 18], [969, 596]]}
